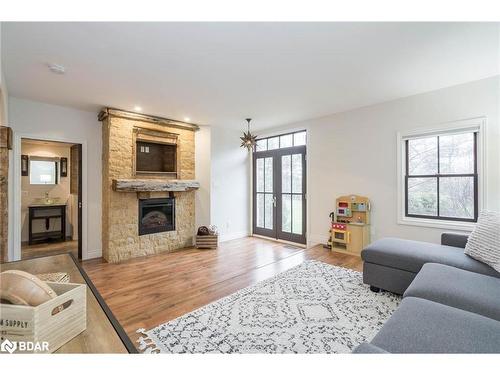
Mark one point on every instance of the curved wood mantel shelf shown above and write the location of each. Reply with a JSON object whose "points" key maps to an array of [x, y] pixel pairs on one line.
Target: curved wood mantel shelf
{"points": [[145, 185]]}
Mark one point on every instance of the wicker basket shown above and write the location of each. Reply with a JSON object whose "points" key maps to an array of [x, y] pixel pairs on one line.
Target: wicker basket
{"points": [[207, 242]]}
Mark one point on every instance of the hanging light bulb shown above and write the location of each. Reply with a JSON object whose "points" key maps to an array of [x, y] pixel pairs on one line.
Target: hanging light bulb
{"points": [[248, 140]]}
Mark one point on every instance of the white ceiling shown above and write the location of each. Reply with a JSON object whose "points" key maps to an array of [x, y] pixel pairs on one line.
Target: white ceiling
{"points": [[221, 73]]}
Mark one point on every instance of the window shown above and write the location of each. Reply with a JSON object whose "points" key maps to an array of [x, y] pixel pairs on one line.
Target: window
{"points": [[282, 141], [441, 176], [43, 171]]}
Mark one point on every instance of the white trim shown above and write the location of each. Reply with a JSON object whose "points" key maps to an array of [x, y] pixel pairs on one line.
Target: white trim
{"points": [[317, 239], [93, 254], [17, 222], [473, 124], [441, 224], [233, 236], [10, 218]]}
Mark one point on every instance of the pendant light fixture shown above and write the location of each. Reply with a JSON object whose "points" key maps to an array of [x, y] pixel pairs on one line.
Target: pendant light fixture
{"points": [[248, 140]]}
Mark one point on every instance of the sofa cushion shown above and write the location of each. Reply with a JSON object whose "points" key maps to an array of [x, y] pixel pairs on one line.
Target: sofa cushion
{"points": [[412, 255], [457, 288], [422, 326], [367, 348], [484, 241], [454, 239]]}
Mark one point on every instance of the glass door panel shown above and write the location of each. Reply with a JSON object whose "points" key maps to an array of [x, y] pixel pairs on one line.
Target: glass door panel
{"points": [[265, 201], [280, 192], [291, 226]]}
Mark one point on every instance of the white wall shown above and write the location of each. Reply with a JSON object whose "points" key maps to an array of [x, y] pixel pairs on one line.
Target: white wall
{"points": [[230, 190], [356, 152], [4, 95], [50, 122], [202, 175], [4, 121]]}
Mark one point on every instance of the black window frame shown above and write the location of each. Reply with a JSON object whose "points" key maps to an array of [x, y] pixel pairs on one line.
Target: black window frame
{"points": [[439, 175], [279, 141]]}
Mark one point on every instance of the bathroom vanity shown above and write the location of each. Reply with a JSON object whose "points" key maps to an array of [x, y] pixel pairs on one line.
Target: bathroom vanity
{"points": [[50, 213]]}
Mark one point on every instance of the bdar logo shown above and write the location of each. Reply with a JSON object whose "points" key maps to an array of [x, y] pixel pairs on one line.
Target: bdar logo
{"points": [[8, 346]]}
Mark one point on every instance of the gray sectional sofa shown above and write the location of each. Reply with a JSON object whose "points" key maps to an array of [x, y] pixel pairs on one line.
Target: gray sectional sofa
{"points": [[451, 302]]}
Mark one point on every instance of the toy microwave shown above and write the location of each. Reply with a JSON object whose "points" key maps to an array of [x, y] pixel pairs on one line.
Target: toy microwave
{"points": [[343, 209], [344, 212]]}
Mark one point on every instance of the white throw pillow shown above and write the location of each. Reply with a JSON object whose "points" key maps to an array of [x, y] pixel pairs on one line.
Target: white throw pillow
{"points": [[484, 241]]}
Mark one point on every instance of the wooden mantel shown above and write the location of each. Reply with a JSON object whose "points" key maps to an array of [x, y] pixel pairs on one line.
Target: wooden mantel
{"points": [[148, 185]]}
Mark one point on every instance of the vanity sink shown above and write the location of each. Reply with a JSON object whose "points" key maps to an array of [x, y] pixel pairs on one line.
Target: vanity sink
{"points": [[47, 201]]}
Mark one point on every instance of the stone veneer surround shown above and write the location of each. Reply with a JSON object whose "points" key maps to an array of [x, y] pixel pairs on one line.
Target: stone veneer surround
{"points": [[120, 233]]}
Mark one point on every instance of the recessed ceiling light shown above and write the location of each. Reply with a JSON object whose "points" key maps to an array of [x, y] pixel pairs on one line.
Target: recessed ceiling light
{"points": [[57, 69], [137, 108], [187, 119]]}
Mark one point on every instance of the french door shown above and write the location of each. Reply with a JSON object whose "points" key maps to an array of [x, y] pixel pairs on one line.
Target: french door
{"points": [[279, 193]]}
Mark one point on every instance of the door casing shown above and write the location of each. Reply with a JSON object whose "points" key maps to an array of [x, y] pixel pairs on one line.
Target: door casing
{"points": [[15, 228]]}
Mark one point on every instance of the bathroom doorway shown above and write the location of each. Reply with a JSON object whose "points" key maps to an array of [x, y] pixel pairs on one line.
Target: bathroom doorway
{"points": [[51, 198]]}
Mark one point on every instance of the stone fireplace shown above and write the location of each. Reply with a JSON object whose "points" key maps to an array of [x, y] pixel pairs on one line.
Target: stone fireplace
{"points": [[148, 185]]}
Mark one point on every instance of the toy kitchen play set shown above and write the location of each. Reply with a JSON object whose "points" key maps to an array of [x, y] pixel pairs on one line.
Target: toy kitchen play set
{"points": [[350, 227]]}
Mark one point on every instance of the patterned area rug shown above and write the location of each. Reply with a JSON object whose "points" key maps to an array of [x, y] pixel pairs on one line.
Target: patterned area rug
{"points": [[311, 308]]}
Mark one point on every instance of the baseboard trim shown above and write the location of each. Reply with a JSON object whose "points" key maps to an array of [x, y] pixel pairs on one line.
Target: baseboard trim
{"points": [[315, 239], [233, 236], [93, 254]]}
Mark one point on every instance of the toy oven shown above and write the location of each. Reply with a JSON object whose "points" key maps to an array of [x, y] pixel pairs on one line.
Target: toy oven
{"points": [[340, 236]]}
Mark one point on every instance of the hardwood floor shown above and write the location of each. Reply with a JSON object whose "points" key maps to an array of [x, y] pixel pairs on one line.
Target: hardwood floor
{"points": [[51, 248], [145, 292]]}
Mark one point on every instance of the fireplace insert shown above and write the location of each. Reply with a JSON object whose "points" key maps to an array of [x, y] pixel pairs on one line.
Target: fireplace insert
{"points": [[156, 215]]}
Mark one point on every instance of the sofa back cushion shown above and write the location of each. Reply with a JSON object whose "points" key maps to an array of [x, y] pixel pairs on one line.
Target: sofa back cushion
{"points": [[484, 242]]}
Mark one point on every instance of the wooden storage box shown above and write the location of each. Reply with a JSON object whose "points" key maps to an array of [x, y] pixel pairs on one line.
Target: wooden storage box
{"points": [[47, 322], [207, 242]]}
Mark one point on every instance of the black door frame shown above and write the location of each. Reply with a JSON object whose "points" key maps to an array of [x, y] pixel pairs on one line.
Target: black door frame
{"points": [[276, 232]]}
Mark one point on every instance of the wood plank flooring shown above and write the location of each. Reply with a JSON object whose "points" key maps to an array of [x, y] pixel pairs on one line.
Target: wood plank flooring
{"points": [[51, 248], [145, 292]]}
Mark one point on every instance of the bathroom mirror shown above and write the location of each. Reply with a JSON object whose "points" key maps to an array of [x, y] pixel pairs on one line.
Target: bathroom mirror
{"points": [[43, 170]]}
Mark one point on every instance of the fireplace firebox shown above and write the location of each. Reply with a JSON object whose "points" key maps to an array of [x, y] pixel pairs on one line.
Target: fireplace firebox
{"points": [[156, 215]]}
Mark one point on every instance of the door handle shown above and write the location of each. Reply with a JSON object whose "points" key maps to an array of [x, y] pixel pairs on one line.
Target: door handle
{"points": [[274, 201], [79, 204]]}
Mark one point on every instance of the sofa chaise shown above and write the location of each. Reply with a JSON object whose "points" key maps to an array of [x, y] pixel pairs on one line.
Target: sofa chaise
{"points": [[392, 263], [451, 302]]}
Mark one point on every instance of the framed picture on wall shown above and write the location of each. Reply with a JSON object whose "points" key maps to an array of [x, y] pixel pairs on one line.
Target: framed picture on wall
{"points": [[64, 167], [25, 165]]}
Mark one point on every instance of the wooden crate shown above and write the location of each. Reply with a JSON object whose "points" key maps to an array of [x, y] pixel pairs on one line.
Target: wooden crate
{"points": [[207, 242], [46, 322]]}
